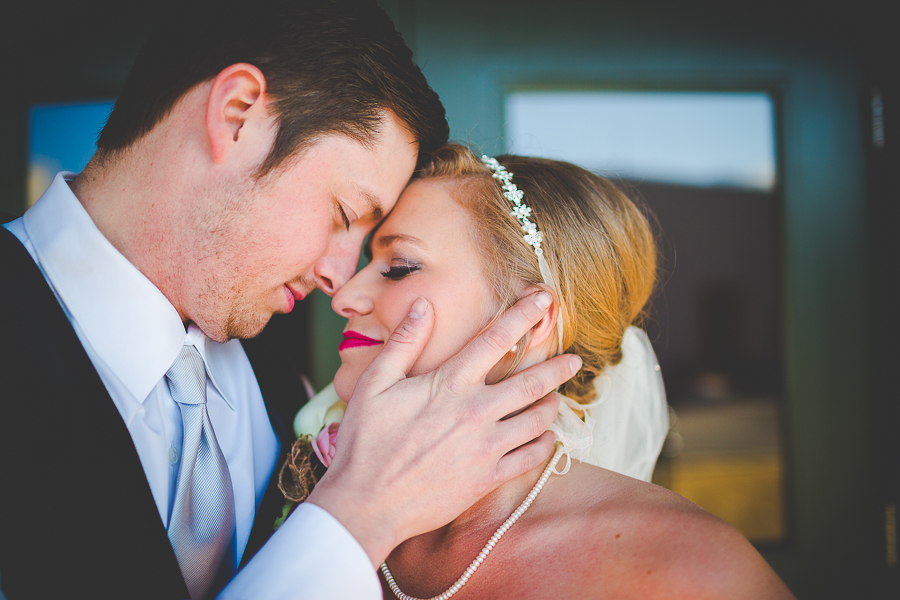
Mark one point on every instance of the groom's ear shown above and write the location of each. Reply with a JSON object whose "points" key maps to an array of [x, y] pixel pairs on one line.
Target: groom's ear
{"points": [[237, 119], [544, 331]]}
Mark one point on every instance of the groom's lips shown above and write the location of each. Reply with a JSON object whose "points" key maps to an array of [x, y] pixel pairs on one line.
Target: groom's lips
{"points": [[353, 339], [292, 296]]}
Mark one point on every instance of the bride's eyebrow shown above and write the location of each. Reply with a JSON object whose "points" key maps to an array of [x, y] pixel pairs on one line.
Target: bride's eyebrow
{"points": [[386, 240]]}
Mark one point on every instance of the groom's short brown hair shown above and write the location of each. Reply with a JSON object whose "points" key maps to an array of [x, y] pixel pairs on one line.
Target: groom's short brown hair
{"points": [[331, 66]]}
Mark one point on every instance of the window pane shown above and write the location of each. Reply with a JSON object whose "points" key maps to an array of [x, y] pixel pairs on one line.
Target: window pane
{"points": [[688, 138], [61, 137]]}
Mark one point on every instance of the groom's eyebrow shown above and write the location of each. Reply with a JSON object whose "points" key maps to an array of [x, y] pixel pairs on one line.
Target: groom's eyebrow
{"points": [[373, 202]]}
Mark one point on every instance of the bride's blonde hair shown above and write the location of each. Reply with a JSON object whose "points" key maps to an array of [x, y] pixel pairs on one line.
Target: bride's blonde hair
{"points": [[597, 243]]}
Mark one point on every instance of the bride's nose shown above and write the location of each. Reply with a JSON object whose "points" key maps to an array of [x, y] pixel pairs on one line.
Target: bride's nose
{"points": [[352, 298]]}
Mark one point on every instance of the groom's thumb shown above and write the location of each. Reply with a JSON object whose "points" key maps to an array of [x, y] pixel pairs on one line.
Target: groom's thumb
{"points": [[403, 347]]}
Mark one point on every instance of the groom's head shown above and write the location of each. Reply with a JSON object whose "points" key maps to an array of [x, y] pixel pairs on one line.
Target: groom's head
{"points": [[256, 144], [330, 67]]}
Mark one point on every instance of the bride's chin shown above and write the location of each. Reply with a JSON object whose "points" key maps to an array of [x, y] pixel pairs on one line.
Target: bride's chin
{"points": [[345, 383]]}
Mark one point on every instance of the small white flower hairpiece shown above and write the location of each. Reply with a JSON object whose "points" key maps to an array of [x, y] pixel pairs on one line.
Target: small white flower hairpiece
{"points": [[521, 211], [533, 237]]}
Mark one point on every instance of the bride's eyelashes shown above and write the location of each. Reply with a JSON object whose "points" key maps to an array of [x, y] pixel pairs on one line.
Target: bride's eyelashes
{"points": [[399, 271]]}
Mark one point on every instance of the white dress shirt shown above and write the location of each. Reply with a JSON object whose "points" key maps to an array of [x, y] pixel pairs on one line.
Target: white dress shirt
{"points": [[132, 335]]}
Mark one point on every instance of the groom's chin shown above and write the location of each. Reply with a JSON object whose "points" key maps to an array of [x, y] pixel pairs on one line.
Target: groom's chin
{"points": [[245, 326]]}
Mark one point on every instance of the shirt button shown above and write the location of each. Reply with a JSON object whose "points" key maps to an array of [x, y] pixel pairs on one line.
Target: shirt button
{"points": [[173, 455]]}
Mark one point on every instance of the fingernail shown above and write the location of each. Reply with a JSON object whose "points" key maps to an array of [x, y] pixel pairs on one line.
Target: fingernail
{"points": [[543, 300], [575, 362], [418, 308]]}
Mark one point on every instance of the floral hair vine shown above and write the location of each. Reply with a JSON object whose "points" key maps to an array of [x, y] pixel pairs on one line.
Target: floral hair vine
{"points": [[533, 237], [521, 211]]}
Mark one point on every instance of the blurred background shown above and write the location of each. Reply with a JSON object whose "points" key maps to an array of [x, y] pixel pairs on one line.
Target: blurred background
{"points": [[758, 135]]}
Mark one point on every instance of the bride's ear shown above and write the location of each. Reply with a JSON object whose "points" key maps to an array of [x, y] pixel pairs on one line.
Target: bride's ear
{"points": [[535, 346], [542, 334]]}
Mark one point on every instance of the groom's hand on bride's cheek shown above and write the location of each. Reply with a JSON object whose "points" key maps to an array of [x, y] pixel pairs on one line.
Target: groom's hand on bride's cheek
{"points": [[414, 453]]}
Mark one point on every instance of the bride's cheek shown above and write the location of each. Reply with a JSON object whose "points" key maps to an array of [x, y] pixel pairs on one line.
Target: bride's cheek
{"points": [[435, 353]]}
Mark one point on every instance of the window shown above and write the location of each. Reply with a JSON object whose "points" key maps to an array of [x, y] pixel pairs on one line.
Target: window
{"points": [[702, 139], [61, 137]]}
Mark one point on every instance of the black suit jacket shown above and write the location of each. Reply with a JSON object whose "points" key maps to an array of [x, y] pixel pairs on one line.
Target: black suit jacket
{"points": [[76, 514]]}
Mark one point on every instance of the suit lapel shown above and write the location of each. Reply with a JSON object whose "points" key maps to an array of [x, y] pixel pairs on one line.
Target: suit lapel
{"points": [[79, 513]]}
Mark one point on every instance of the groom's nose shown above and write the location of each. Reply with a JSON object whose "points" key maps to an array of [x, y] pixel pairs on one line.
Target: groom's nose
{"points": [[334, 270]]}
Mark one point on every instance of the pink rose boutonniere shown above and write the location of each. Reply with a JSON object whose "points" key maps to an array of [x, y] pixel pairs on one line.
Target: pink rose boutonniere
{"points": [[326, 443]]}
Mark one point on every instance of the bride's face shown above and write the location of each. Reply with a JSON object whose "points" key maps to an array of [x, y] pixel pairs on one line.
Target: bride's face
{"points": [[424, 248]]}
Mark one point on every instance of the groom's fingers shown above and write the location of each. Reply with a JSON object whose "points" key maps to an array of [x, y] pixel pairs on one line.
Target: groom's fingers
{"points": [[473, 362], [523, 439], [524, 458], [401, 350], [535, 382]]}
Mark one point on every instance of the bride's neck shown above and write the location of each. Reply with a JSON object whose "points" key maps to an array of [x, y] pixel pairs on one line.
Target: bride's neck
{"points": [[476, 525]]}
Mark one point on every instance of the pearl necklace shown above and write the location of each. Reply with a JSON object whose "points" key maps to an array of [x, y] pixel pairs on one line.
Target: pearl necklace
{"points": [[487, 547]]}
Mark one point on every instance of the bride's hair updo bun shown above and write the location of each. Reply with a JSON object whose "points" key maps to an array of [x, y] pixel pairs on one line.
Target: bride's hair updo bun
{"points": [[597, 243]]}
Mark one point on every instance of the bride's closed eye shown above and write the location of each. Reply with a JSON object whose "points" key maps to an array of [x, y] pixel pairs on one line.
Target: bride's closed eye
{"points": [[399, 271]]}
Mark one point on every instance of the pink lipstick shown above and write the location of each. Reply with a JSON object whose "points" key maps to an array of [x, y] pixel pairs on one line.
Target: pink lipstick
{"points": [[352, 339]]}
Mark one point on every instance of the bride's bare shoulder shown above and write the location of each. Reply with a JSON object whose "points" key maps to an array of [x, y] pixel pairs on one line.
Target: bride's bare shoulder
{"points": [[634, 539]]}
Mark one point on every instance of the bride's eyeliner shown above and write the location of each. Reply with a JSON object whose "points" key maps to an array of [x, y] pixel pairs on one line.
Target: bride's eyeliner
{"points": [[397, 272]]}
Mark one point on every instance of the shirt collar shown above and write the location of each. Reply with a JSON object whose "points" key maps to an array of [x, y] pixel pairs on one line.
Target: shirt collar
{"points": [[210, 352], [128, 322]]}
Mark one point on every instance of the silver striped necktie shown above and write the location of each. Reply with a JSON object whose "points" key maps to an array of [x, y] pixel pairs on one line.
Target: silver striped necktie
{"points": [[201, 526]]}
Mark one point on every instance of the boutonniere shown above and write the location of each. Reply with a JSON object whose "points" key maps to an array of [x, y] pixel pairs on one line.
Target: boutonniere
{"points": [[316, 427]]}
